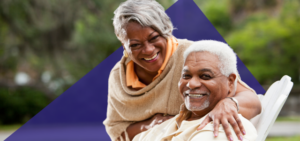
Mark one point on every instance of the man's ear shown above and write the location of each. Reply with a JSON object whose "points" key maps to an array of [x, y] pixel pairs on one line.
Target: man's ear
{"points": [[232, 86]]}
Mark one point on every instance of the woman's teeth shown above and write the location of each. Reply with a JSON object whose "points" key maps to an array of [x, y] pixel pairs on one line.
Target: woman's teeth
{"points": [[148, 59]]}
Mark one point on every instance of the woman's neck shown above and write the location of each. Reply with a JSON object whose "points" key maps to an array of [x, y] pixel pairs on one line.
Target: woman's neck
{"points": [[144, 76]]}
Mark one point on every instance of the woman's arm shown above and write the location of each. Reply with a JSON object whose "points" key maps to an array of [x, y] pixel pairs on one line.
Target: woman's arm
{"points": [[138, 127], [225, 112], [249, 104]]}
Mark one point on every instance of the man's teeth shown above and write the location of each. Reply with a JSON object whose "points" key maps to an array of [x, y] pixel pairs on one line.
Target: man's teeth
{"points": [[151, 58], [196, 95]]}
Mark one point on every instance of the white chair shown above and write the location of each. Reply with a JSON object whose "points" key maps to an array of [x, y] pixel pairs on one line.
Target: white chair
{"points": [[272, 103]]}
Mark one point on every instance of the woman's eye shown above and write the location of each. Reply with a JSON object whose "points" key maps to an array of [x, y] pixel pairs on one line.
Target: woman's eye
{"points": [[134, 45], [155, 37]]}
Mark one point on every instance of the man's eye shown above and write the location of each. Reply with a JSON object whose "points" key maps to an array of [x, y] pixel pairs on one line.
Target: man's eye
{"points": [[205, 76], [185, 76]]}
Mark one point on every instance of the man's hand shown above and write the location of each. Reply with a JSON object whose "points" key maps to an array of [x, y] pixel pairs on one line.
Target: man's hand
{"points": [[225, 113]]}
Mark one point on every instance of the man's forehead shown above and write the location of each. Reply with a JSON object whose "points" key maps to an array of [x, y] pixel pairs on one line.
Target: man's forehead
{"points": [[185, 68], [196, 57], [201, 62]]}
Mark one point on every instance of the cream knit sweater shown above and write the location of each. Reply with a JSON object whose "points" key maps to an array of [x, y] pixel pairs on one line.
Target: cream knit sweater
{"points": [[126, 106]]}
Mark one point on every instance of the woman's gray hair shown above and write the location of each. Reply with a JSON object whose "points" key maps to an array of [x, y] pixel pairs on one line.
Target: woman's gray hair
{"points": [[225, 54], [148, 13]]}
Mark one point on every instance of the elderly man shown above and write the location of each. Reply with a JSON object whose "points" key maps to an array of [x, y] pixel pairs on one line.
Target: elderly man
{"points": [[208, 76]]}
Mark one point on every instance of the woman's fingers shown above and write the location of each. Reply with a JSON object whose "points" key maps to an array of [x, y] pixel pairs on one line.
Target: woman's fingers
{"points": [[158, 119], [240, 124], [164, 118], [216, 127], [226, 127], [204, 123], [236, 128], [168, 117]]}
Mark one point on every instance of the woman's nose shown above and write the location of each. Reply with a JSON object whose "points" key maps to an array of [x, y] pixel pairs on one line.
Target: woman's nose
{"points": [[148, 49], [194, 83]]}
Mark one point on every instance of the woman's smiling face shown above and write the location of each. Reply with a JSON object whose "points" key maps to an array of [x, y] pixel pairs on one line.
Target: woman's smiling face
{"points": [[146, 47]]}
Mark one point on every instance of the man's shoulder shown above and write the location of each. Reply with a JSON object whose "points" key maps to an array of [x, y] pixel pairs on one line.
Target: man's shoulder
{"points": [[158, 131], [207, 132], [251, 133]]}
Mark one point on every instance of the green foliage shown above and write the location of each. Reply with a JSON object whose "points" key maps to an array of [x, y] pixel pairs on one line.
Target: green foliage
{"points": [[69, 38], [288, 119], [19, 105], [264, 36], [65, 39], [294, 138], [11, 127], [268, 46], [218, 14]]}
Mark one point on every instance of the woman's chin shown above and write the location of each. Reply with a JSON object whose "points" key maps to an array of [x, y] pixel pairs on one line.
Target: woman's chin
{"points": [[153, 67], [152, 70]]}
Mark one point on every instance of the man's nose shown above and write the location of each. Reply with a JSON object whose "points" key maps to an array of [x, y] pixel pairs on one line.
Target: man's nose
{"points": [[194, 83], [148, 48]]}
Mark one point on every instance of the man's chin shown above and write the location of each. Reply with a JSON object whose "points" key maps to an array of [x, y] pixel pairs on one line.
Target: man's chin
{"points": [[196, 107]]}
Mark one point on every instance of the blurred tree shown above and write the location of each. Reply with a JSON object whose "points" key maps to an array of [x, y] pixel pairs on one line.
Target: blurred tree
{"points": [[64, 39], [218, 13], [263, 33], [48, 45], [19, 105], [54, 43]]}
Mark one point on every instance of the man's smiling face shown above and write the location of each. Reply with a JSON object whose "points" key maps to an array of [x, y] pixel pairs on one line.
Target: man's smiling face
{"points": [[202, 85]]}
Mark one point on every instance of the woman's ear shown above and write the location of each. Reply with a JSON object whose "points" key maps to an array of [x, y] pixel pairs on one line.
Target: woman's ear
{"points": [[231, 84], [123, 45]]}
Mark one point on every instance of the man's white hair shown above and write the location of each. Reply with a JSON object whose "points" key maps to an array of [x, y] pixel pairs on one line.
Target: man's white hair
{"points": [[225, 54], [148, 13]]}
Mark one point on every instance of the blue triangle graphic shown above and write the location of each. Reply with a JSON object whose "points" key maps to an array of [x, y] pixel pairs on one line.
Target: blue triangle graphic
{"points": [[78, 113]]}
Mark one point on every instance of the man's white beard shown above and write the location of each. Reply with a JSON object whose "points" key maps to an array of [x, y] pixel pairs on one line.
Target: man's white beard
{"points": [[195, 108]]}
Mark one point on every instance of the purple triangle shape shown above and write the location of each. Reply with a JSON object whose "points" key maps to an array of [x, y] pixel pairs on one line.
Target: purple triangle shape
{"points": [[78, 113]]}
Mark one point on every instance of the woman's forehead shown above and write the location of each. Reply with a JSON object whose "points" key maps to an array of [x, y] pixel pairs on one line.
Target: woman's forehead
{"points": [[134, 29]]}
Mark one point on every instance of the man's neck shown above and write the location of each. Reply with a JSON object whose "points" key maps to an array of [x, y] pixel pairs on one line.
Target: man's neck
{"points": [[195, 115]]}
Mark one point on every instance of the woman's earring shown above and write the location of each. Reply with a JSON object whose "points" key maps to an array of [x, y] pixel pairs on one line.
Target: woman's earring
{"points": [[125, 53], [188, 85]]}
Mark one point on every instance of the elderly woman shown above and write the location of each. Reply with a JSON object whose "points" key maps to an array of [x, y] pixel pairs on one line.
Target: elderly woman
{"points": [[208, 76], [143, 85]]}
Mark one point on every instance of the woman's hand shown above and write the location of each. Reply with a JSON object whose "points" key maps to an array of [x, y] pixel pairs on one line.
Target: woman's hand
{"points": [[155, 120], [225, 113], [138, 127]]}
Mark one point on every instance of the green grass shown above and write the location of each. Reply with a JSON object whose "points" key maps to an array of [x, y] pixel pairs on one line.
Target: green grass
{"points": [[10, 127], [288, 119], [295, 138]]}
